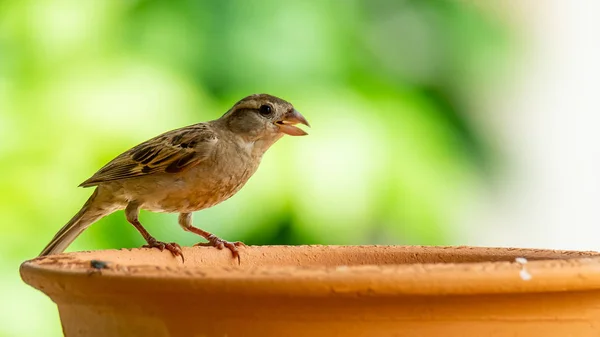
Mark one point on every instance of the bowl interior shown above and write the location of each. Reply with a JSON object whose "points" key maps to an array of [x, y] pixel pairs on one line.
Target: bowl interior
{"points": [[306, 256]]}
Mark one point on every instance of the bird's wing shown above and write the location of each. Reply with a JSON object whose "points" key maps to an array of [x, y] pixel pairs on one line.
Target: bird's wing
{"points": [[171, 152]]}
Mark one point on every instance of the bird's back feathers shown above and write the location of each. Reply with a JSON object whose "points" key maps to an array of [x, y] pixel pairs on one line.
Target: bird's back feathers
{"points": [[170, 152]]}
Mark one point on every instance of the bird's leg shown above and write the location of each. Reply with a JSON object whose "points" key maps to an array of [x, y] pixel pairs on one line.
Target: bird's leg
{"points": [[131, 212], [185, 221]]}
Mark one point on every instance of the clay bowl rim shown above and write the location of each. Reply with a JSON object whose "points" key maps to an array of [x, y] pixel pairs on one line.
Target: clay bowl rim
{"points": [[550, 271]]}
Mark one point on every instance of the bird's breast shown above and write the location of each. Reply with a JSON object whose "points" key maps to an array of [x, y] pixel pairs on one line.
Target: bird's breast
{"points": [[204, 186]]}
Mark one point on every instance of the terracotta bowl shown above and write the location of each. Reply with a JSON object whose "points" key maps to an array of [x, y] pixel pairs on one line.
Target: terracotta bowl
{"points": [[323, 291]]}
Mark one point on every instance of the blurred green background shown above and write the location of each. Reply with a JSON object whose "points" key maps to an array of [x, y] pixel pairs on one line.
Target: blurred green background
{"points": [[387, 86]]}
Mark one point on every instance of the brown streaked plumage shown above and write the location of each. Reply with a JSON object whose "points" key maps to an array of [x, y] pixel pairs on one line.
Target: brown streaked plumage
{"points": [[185, 170]]}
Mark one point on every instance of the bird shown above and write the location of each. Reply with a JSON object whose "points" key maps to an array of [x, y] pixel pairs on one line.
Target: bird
{"points": [[185, 170]]}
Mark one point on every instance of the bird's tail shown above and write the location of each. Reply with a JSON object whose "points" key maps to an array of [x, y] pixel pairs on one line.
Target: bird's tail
{"points": [[88, 214]]}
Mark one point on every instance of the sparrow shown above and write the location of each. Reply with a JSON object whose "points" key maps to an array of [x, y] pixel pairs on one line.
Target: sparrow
{"points": [[185, 170]]}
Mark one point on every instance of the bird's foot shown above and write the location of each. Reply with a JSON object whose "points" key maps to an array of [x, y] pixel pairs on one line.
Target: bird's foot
{"points": [[214, 241], [173, 247]]}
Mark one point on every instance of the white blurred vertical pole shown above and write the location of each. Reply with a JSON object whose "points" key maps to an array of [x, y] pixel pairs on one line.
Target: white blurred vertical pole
{"points": [[548, 122]]}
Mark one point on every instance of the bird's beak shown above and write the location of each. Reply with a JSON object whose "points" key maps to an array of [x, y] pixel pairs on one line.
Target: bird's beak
{"points": [[286, 124]]}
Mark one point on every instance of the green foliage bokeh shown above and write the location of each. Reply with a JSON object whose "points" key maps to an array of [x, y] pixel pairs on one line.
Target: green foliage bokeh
{"points": [[385, 85]]}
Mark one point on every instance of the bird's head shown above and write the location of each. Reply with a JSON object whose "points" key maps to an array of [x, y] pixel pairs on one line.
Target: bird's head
{"points": [[263, 117]]}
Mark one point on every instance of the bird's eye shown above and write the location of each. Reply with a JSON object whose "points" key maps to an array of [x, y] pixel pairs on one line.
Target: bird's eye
{"points": [[265, 110]]}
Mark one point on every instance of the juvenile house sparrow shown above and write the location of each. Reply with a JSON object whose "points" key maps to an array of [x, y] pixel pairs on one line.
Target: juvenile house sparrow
{"points": [[185, 170]]}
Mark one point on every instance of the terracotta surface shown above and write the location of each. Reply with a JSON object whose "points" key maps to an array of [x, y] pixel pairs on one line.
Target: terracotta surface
{"points": [[324, 291]]}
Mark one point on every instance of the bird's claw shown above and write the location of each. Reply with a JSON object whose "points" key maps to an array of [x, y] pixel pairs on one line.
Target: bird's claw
{"points": [[172, 247], [214, 241]]}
